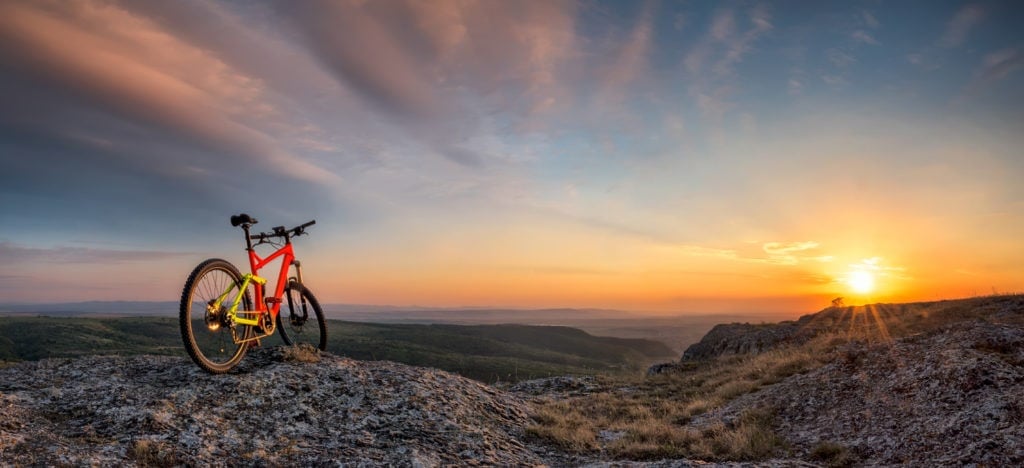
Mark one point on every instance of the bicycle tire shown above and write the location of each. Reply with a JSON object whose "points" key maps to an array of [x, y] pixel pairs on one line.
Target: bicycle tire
{"points": [[294, 321], [210, 338]]}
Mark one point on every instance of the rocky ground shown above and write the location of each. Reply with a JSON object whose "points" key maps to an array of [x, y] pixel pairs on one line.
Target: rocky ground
{"points": [[950, 397], [953, 395], [274, 410]]}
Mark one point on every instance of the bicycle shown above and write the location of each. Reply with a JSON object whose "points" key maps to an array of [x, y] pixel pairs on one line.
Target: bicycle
{"points": [[217, 317]]}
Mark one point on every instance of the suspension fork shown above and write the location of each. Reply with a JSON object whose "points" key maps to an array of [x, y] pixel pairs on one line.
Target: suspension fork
{"points": [[298, 272], [300, 318]]}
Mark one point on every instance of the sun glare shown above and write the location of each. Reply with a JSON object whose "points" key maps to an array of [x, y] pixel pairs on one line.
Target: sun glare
{"points": [[862, 282]]}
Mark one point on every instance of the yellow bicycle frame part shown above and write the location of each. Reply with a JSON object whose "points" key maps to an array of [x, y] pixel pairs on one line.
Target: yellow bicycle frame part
{"points": [[233, 311]]}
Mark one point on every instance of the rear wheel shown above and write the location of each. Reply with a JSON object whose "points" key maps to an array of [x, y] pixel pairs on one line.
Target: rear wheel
{"points": [[301, 319], [210, 337]]}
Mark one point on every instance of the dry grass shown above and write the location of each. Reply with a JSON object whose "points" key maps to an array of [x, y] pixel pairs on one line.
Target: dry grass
{"points": [[301, 352], [832, 455], [153, 453], [648, 418]]}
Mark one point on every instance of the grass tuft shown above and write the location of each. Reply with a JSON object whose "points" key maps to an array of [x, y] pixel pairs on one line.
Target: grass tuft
{"points": [[147, 452], [832, 454]]}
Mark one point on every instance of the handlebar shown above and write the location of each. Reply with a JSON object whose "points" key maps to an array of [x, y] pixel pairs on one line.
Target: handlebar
{"points": [[280, 231]]}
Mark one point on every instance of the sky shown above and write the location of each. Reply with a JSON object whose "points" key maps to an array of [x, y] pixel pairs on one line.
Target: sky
{"points": [[676, 157]]}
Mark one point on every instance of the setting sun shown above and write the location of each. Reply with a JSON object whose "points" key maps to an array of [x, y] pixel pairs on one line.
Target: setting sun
{"points": [[862, 282]]}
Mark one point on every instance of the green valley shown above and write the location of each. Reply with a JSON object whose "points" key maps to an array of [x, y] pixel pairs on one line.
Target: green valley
{"points": [[487, 353]]}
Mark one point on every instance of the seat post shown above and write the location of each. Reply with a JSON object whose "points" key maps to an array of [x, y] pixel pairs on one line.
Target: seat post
{"points": [[248, 241]]}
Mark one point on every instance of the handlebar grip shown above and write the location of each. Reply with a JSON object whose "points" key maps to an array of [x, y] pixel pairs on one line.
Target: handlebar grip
{"points": [[308, 224]]}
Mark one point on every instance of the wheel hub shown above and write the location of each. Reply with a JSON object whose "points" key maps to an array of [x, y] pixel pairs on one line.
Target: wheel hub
{"points": [[216, 316]]}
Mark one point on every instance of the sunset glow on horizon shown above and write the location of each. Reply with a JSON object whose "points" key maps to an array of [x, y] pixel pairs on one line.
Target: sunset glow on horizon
{"points": [[660, 156]]}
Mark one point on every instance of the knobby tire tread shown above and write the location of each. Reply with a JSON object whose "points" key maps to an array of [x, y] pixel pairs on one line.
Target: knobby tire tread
{"points": [[282, 321]]}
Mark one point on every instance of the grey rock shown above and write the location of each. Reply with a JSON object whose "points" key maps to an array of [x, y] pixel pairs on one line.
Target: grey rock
{"points": [[953, 396], [277, 408]]}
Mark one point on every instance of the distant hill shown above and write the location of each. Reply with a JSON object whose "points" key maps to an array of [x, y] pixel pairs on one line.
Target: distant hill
{"points": [[483, 352], [676, 330], [494, 352], [880, 321]]}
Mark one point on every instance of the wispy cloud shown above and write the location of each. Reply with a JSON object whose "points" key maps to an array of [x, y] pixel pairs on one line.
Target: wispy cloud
{"points": [[839, 58], [795, 86], [996, 66], [723, 47], [999, 64], [877, 267], [834, 80], [631, 62], [784, 248], [16, 254], [869, 19], [960, 26], [864, 37], [774, 253]]}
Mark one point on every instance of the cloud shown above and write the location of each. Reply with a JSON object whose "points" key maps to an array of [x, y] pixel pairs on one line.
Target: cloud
{"points": [[723, 25], [795, 86], [15, 254], [726, 42], [834, 80], [960, 26], [999, 64], [775, 253], [876, 265], [631, 62], [435, 67], [995, 67], [725, 46], [128, 66], [869, 19], [784, 248], [386, 73], [839, 58], [791, 253], [862, 36], [739, 46]]}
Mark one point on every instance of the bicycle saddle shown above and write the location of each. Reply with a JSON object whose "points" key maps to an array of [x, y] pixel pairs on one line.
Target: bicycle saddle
{"points": [[243, 218]]}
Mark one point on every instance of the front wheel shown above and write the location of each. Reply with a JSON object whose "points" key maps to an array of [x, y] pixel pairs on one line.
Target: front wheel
{"points": [[301, 319], [212, 340]]}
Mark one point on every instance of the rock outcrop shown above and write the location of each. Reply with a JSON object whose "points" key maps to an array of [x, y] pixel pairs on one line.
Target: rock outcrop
{"points": [[949, 397], [741, 338], [274, 409], [876, 320]]}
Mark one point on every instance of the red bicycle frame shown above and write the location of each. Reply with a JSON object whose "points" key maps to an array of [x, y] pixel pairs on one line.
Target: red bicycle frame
{"points": [[256, 263]]}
